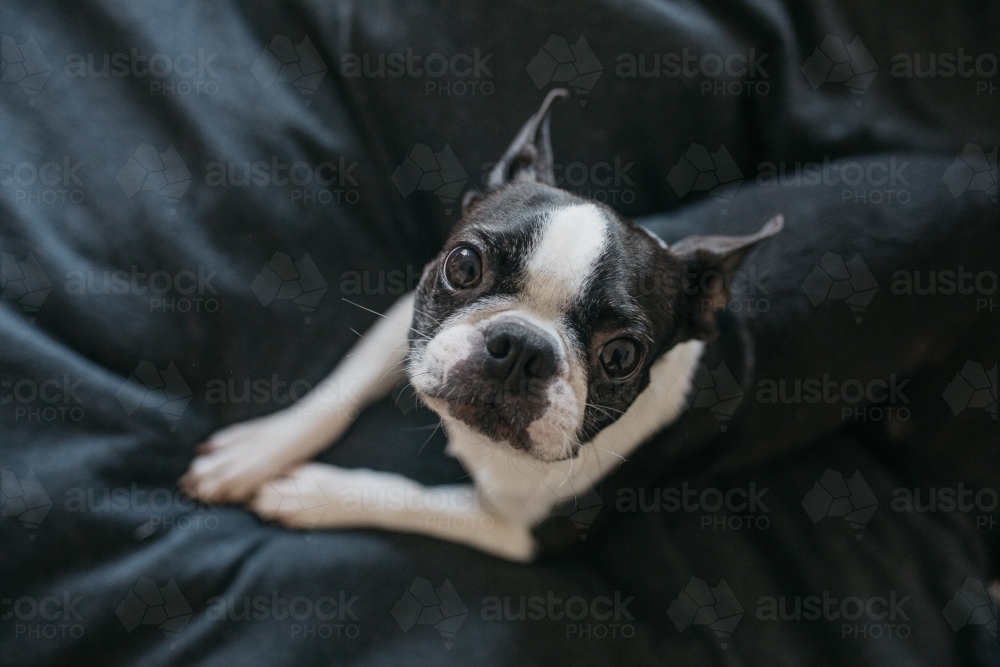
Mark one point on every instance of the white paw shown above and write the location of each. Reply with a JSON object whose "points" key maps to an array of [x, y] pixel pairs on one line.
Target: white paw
{"points": [[236, 461], [310, 496]]}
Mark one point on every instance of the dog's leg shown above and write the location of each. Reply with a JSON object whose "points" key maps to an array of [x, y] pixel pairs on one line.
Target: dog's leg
{"points": [[235, 461], [316, 495]]}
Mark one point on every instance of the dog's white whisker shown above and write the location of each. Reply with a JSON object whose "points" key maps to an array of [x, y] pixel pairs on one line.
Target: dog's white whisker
{"points": [[375, 312], [425, 314], [612, 453], [436, 427]]}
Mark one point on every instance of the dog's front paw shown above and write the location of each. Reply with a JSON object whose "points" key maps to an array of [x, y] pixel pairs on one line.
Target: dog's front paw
{"points": [[310, 496], [236, 461]]}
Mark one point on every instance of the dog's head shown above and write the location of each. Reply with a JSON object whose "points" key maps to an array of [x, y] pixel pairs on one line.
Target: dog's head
{"points": [[538, 322]]}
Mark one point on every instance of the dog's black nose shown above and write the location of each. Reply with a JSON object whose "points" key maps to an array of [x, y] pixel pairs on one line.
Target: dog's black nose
{"points": [[517, 351]]}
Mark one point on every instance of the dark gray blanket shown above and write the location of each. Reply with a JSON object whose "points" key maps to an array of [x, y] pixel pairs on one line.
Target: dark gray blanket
{"points": [[199, 202]]}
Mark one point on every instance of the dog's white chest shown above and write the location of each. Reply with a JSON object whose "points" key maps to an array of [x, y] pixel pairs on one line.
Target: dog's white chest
{"points": [[525, 490]]}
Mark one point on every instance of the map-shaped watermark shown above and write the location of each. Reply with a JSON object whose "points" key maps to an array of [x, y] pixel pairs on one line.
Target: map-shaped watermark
{"points": [[716, 390], [24, 282], [699, 170], [148, 604], [973, 604], [284, 279], [440, 173], [974, 386], [701, 604], [149, 170], [23, 499], [560, 62], [832, 495], [24, 65], [425, 604], [298, 64], [836, 280], [148, 387], [836, 62], [973, 170]]}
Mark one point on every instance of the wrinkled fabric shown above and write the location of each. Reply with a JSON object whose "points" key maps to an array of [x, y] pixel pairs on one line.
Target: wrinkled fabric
{"points": [[201, 204]]}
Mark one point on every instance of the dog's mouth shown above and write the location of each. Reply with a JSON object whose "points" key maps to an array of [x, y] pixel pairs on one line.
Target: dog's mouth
{"points": [[497, 410], [505, 377], [522, 419]]}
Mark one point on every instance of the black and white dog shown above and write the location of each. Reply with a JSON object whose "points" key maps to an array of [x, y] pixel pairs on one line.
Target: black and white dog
{"points": [[552, 336]]}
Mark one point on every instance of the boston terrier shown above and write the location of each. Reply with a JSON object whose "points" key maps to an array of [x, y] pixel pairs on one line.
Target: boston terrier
{"points": [[553, 337]]}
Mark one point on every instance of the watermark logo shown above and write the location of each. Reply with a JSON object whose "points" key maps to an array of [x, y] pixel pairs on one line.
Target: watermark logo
{"points": [[981, 503], [149, 604], [405, 398], [861, 617], [148, 169], [723, 74], [299, 64], [425, 604], [49, 617], [24, 65], [834, 279], [261, 391], [700, 604], [973, 605], [423, 169], [586, 619], [45, 399], [323, 617], [947, 282], [973, 170], [581, 511], [283, 279], [24, 282], [23, 499], [832, 495], [872, 400], [328, 182], [40, 183], [181, 291], [465, 70], [973, 387], [745, 288], [736, 508], [718, 391], [698, 170], [296, 499], [947, 66], [195, 72], [166, 508], [607, 182], [559, 62], [871, 182], [836, 62], [163, 390]]}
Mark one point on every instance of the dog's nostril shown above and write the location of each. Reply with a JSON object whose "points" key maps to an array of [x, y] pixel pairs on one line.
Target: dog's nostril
{"points": [[498, 346], [516, 351], [540, 365]]}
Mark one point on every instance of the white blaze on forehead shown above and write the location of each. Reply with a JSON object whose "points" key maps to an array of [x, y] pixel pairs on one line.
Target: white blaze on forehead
{"points": [[563, 258]]}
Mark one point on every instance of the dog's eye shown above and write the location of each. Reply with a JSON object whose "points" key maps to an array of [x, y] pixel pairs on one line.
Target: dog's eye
{"points": [[463, 268], [620, 358]]}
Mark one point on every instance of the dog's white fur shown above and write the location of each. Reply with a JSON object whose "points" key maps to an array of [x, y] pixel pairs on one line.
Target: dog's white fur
{"points": [[562, 260], [262, 461]]}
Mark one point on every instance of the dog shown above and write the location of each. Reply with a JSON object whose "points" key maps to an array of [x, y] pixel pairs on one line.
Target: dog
{"points": [[551, 335]]}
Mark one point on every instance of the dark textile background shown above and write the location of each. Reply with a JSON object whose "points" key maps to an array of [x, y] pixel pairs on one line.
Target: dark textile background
{"points": [[191, 193]]}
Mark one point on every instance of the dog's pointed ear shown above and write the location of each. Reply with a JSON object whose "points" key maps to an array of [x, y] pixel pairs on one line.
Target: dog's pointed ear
{"points": [[709, 263], [529, 156]]}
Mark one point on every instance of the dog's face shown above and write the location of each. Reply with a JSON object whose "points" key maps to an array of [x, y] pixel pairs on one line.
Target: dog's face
{"points": [[538, 322]]}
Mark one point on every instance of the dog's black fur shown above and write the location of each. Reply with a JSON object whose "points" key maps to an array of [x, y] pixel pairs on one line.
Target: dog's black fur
{"points": [[639, 289], [924, 340]]}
